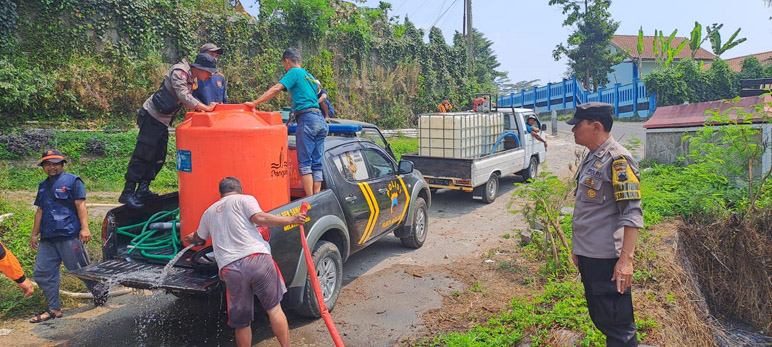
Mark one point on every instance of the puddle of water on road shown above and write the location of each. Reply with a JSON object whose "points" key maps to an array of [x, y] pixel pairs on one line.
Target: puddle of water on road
{"points": [[184, 321]]}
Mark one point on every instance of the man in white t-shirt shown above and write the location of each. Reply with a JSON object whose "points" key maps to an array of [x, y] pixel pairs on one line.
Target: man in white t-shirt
{"points": [[244, 259]]}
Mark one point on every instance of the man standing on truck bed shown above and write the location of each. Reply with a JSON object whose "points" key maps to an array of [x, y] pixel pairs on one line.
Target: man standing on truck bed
{"points": [[607, 216], [244, 259], [312, 129], [154, 119], [213, 89]]}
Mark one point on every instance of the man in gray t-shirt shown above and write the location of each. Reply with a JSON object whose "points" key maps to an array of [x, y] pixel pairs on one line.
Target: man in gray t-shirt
{"points": [[244, 260], [607, 216]]}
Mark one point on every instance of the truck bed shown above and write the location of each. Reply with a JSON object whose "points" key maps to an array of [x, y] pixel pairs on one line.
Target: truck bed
{"points": [[441, 172], [136, 271]]}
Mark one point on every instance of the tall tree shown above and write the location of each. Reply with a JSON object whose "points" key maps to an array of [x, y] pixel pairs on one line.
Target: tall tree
{"points": [[588, 48]]}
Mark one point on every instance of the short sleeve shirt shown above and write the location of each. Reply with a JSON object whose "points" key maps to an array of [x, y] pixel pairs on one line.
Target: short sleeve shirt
{"points": [[602, 208], [233, 235], [302, 86]]}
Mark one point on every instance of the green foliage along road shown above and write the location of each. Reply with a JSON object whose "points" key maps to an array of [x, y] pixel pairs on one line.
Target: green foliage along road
{"points": [[97, 61]]}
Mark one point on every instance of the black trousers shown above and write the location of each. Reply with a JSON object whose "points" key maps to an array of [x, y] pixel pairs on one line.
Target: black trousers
{"points": [[611, 312], [150, 152]]}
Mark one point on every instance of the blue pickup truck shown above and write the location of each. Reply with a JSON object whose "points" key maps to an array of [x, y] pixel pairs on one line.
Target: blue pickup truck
{"points": [[367, 195]]}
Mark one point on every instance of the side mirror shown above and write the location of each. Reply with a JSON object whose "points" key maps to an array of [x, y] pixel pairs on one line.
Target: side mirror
{"points": [[544, 127], [405, 167]]}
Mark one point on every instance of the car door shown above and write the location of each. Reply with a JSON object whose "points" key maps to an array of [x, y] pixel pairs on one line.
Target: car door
{"points": [[354, 196], [387, 191]]}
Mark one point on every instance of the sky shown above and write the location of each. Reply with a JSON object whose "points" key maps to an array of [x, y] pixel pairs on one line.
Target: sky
{"points": [[525, 32]]}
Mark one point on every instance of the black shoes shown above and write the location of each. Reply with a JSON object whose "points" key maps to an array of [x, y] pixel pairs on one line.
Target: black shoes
{"points": [[143, 191], [129, 198]]}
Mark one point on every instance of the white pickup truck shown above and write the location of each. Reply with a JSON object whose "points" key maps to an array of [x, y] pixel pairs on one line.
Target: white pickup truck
{"points": [[522, 155]]}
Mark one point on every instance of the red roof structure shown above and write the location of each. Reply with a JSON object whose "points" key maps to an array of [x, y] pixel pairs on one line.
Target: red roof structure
{"points": [[736, 64], [691, 115], [629, 43]]}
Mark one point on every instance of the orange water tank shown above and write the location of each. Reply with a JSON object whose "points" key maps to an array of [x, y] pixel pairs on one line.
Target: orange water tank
{"points": [[233, 140]]}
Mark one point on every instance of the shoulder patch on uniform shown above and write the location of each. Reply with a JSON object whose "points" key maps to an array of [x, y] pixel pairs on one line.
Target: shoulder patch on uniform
{"points": [[219, 83], [625, 183], [183, 75]]}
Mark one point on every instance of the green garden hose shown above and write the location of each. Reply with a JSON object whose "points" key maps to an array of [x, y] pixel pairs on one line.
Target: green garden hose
{"points": [[147, 240]]}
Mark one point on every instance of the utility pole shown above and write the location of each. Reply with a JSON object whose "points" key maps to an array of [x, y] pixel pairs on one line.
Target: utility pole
{"points": [[469, 31]]}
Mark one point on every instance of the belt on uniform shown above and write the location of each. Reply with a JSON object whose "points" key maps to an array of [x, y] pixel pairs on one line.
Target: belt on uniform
{"points": [[298, 113]]}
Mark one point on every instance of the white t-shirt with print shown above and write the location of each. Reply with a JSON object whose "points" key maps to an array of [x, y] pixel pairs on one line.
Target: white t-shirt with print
{"points": [[234, 236]]}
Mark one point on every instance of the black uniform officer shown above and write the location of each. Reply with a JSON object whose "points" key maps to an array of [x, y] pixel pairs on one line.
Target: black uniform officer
{"points": [[154, 119], [607, 216]]}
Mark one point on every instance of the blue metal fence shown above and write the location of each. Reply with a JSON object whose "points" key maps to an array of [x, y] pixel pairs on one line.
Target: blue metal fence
{"points": [[627, 99]]}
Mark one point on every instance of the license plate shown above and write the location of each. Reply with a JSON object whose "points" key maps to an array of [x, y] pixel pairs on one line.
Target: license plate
{"points": [[439, 181]]}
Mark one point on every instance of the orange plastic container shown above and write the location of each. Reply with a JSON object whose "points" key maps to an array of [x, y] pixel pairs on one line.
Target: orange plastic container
{"points": [[233, 140]]}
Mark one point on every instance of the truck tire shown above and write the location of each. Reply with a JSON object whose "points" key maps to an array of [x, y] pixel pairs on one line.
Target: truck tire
{"points": [[532, 170], [489, 190], [419, 227], [329, 269]]}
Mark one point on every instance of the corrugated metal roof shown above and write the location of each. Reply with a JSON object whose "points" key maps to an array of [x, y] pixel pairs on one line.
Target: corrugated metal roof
{"points": [[630, 44], [690, 115]]}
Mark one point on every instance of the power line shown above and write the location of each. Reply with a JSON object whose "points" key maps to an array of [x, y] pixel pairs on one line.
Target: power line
{"points": [[446, 18], [443, 13], [419, 8], [400, 6]]}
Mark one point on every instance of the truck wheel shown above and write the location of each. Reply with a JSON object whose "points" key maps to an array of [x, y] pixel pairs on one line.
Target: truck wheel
{"points": [[532, 170], [490, 190], [420, 224], [329, 269]]}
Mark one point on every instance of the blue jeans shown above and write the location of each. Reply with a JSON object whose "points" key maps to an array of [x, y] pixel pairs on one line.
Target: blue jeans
{"points": [[51, 254], [309, 137]]}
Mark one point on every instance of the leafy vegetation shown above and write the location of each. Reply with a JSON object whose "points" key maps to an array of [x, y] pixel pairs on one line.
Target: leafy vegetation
{"points": [[401, 145], [99, 158], [588, 48], [95, 62]]}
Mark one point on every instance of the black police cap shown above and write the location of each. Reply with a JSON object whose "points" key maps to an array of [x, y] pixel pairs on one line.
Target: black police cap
{"points": [[593, 111]]}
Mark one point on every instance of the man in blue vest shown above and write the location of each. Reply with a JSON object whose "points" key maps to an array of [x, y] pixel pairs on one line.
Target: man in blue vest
{"points": [[59, 233], [213, 89]]}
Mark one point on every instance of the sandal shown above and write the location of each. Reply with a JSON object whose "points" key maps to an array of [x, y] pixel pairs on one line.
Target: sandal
{"points": [[39, 318]]}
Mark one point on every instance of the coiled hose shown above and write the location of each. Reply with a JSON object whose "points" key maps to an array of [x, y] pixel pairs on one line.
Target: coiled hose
{"points": [[147, 240]]}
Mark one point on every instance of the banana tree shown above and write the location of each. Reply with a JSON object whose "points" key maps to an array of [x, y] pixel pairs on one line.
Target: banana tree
{"points": [[715, 39], [640, 52], [663, 51]]}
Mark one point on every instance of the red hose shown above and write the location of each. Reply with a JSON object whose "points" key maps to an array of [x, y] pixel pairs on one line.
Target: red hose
{"points": [[315, 282]]}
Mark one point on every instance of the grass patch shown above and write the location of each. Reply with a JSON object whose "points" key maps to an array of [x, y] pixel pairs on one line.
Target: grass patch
{"points": [[560, 305], [100, 159], [401, 145]]}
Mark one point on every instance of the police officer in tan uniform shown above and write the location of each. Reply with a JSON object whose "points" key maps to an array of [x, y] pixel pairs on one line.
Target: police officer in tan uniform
{"points": [[154, 119], [607, 216]]}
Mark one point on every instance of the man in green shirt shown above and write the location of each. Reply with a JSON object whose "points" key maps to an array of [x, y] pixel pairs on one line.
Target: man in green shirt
{"points": [[312, 128]]}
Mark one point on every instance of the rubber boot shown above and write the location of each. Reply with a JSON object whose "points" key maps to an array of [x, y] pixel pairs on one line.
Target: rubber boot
{"points": [[127, 196], [143, 191]]}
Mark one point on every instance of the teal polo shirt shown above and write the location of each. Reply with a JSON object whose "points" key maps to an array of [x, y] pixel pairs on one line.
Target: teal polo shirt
{"points": [[302, 86]]}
